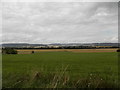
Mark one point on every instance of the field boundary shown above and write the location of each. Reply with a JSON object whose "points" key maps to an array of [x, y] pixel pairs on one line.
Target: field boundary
{"points": [[29, 51]]}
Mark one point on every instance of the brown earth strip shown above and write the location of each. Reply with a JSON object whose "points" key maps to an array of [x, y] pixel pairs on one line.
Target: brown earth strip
{"points": [[29, 51]]}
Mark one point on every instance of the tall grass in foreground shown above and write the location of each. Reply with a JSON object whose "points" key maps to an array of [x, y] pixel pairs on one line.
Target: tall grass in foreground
{"points": [[50, 70], [59, 79]]}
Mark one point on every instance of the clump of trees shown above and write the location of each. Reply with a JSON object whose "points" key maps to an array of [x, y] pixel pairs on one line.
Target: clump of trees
{"points": [[118, 50], [8, 51], [33, 52]]}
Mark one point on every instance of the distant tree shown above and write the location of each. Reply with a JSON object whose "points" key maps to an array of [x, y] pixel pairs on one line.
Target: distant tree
{"points": [[9, 51], [32, 51], [118, 50]]}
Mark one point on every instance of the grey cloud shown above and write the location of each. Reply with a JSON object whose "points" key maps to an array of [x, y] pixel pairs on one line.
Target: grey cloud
{"points": [[52, 22]]}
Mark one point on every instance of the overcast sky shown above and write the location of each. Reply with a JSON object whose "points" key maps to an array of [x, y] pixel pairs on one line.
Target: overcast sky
{"points": [[59, 22]]}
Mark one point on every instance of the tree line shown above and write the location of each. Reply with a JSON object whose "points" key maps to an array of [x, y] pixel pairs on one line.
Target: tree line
{"points": [[8, 51]]}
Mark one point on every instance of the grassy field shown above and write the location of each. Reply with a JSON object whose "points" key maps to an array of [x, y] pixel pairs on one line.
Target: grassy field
{"points": [[60, 69]]}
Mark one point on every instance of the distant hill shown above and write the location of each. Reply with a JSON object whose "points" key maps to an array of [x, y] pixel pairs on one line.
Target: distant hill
{"points": [[106, 44], [87, 44], [59, 44], [21, 45]]}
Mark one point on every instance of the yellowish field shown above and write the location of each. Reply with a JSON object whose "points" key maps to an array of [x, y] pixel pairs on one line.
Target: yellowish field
{"points": [[29, 51]]}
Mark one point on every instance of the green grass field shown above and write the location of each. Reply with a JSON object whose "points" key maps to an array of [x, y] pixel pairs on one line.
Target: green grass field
{"points": [[60, 69]]}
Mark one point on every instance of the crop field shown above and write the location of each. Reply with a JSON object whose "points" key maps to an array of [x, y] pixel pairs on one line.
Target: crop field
{"points": [[28, 51], [60, 70]]}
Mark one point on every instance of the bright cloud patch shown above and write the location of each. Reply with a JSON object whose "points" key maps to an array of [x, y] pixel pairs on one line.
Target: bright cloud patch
{"points": [[60, 22]]}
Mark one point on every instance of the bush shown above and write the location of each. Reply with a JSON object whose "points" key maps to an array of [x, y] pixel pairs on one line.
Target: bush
{"points": [[118, 50], [9, 51], [32, 51]]}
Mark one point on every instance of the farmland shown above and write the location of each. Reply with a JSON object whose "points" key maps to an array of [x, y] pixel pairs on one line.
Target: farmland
{"points": [[56, 69], [28, 51]]}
